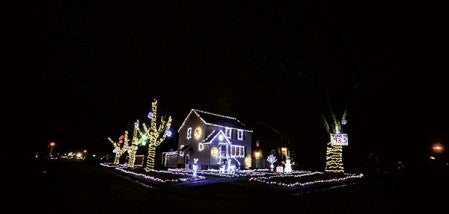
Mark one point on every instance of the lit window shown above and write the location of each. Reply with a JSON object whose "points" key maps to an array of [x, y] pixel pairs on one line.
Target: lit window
{"points": [[189, 133], [240, 134], [228, 132], [200, 147], [197, 133]]}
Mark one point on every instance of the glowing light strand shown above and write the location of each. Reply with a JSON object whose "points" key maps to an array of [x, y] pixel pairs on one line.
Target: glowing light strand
{"points": [[155, 179], [195, 111], [305, 184]]}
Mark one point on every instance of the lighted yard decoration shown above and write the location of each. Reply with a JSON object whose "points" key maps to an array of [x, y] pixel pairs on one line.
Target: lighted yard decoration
{"points": [[271, 159], [334, 150], [120, 147], [156, 133], [288, 166], [195, 167]]}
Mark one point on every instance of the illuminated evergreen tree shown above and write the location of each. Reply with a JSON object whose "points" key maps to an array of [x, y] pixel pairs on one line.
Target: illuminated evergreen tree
{"points": [[120, 147], [156, 134]]}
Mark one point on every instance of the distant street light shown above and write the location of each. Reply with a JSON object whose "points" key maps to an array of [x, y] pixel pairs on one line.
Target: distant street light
{"points": [[438, 148], [52, 145]]}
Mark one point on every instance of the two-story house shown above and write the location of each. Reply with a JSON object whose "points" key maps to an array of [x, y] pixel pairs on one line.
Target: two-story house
{"points": [[215, 141]]}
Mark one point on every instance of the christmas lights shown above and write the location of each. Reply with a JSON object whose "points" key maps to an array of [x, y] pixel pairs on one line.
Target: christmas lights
{"points": [[154, 134], [288, 166], [156, 179], [195, 168], [203, 142], [134, 145], [271, 159], [120, 147], [198, 133], [195, 111], [240, 134], [304, 184], [334, 153]]}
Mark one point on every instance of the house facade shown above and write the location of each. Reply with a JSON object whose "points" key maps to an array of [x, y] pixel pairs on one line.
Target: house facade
{"points": [[215, 141]]}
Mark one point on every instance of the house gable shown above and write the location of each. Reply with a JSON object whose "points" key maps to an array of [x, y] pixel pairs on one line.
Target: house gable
{"points": [[192, 130]]}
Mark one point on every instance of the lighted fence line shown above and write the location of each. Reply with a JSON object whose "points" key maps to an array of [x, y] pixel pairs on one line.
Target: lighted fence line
{"points": [[154, 179], [289, 175], [304, 184]]}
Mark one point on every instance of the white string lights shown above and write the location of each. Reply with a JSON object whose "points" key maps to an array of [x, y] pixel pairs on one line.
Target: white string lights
{"points": [[304, 184]]}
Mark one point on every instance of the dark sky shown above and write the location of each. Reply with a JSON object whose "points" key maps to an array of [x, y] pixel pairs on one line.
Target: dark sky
{"points": [[90, 68]]}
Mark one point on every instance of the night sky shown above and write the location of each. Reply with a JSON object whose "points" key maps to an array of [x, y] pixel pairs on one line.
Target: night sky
{"points": [[88, 69]]}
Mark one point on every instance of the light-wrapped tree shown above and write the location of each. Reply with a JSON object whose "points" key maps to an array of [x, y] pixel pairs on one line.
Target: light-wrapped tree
{"points": [[156, 133], [334, 153], [120, 147], [135, 142]]}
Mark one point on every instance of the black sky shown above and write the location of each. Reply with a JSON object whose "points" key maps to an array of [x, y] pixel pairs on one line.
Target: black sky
{"points": [[90, 68]]}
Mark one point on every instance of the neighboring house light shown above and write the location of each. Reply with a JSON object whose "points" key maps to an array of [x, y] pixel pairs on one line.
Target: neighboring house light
{"points": [[189, 133], [240, 134], [228, 132]]}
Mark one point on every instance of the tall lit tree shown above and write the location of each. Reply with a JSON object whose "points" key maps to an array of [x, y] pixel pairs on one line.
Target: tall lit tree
{"points": [[334, 153], [156, 133], [135, 142], [120, 147]]}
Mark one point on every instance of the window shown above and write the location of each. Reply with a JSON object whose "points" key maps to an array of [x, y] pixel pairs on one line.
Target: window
{"points": [[238, 151], [228, 132], [200, 147], [240, 134], [189, 133]]}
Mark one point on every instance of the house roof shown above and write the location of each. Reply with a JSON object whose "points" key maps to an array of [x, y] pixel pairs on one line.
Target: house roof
{"points": [[216, 120], [220, 119]]}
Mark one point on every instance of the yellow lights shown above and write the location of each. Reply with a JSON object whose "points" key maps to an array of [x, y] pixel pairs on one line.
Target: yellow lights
{"points": [[334, 160], [52, 144], [79, 155], [257, 155], [198, 132], [247, 162], [157, 132], [438, 148], [119, 147], [214, 152]]}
